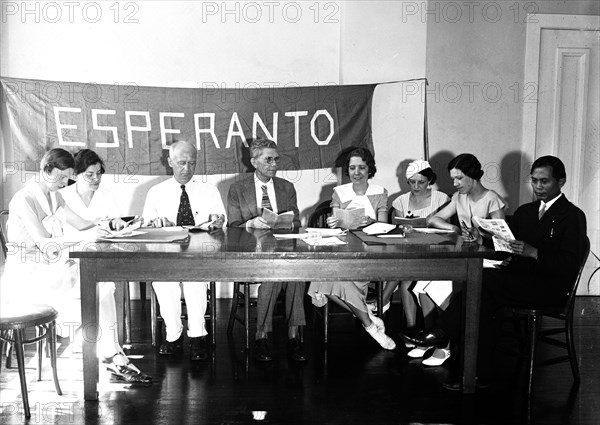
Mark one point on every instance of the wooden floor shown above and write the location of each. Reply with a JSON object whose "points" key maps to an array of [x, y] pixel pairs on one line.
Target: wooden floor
{"points": [[350, 382]]}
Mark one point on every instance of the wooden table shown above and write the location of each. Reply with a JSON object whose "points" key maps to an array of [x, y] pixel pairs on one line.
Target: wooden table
{"points": [[238, 255]]}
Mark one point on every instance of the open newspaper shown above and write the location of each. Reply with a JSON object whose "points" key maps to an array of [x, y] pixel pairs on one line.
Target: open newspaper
{"points": [[499, 230]]}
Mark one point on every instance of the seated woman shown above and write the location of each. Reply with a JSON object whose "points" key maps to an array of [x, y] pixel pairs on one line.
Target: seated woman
{"points": [[421, 201], [471, 199], [43, 272], [360, 167]]}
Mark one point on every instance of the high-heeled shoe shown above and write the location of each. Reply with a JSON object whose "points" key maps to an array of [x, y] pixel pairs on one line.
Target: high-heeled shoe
{"points": [[418, 352], [439, 356], [119, 366]]}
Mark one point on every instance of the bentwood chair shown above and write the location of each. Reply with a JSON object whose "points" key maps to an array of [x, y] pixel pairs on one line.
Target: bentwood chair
{"points": [[14, 320], [318, 219], [565, 315], [211, 314]]}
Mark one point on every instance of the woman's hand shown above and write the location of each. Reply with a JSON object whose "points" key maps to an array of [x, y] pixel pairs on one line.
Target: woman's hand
{"points": [[470, 235], [117, 224], [365, 221], [161, 222], [332, 222]]}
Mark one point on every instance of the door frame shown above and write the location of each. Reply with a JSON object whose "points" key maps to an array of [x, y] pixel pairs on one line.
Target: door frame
{"points": [[535, 24]]}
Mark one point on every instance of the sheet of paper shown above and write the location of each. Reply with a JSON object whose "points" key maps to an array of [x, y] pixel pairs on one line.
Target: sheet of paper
{"points": [[378, 228], [324, 241], [326, 232], [431, 230]]}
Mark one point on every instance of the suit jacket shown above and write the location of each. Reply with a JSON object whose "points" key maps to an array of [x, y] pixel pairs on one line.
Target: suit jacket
{"points": [[560, 239], [242, 206]]}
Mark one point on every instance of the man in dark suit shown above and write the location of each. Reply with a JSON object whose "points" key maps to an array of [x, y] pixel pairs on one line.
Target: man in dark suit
{"points": [[245, 202], [548, 251]]}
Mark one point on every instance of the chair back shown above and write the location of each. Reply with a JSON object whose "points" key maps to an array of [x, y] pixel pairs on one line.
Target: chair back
{"points": [[573, 292], [319, 216], [3, 239]]}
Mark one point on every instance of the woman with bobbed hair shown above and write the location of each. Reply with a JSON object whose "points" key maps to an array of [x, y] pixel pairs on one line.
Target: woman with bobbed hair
{"points": [[40, 270], [470, 199], [94, 203], [359, 193]]}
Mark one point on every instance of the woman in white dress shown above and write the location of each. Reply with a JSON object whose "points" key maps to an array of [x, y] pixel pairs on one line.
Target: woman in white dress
{"points": [[42, 271], [421, 202], [94, 203], [471, 199], [360, 167]]}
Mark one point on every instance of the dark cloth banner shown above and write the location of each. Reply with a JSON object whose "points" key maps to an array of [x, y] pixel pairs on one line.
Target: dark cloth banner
{"points": [[131, 126]]}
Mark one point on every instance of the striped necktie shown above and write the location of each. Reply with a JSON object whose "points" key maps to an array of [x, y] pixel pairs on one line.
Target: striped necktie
{"points": [[184, 214], [542, 211], [265, 203]]}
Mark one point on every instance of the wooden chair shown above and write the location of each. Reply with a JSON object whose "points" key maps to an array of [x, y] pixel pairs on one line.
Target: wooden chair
{"points": [[565, 314], [241, 298], [14, 319], [318, 219], [211, 314]]}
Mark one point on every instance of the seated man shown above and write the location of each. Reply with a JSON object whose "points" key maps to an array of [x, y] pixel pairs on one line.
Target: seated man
{"points": [[183, 200], [245, 203], [549, 248]]}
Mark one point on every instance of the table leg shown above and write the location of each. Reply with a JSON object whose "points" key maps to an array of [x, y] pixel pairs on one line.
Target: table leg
{"points": [[89, 316], [472, 299]]}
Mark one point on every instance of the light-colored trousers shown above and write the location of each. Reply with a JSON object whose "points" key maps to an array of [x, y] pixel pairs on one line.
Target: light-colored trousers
{"points": [[196, 301]]}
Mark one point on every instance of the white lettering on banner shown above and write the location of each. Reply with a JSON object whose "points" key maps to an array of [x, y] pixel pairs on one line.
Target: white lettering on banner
{"points": [[235, 127], [312, 127], [60, 126], [164, 131], [239, 132], [132, 128], [256, 121], [210, 130], [296, 115], [113, 130]]}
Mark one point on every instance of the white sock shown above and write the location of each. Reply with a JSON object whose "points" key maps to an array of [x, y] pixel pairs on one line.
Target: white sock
{"points": [[377, 321], [380, 336]]}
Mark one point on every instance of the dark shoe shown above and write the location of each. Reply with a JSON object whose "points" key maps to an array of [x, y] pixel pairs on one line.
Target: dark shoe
{"points": [[437, 338], [296, 350], [127, 372], [456, 384], [172, 347], [198, 349], [262, 351]]}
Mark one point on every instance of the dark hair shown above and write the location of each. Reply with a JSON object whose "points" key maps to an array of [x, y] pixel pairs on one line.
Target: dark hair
{"points": [[468, 164], [86, 157], [558, 168], [257, 146], [57, 158], [365, 155], [429, 175]]}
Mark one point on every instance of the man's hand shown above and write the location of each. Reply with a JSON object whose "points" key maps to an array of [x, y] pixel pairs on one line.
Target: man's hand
{"points": [[161, 222], [523, 249], [258, 223]]}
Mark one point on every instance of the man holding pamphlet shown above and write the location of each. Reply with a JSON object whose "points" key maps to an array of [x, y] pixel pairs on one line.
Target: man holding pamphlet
{"points": [[263, 201], [184, 200]]}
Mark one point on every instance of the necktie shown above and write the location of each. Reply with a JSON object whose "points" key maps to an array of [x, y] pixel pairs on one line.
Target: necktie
{"points": [[265, 203], [184, 214], [542, 211]]}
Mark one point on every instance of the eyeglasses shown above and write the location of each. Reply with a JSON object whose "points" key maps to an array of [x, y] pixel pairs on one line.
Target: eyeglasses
{"points": [[271, 159]]}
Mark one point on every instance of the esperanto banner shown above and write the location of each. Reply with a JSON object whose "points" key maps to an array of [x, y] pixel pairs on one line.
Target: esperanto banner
{"points": [[131, 126]]}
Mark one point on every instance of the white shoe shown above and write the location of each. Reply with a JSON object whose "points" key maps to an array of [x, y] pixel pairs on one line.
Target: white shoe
{"points": [[377, 321], [439, 356], [380, 336], [373, 307], [418, 352]]}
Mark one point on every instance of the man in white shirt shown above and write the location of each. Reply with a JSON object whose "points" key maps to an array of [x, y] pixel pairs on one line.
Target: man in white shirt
{"points": [[245, 202], [180, 201]]}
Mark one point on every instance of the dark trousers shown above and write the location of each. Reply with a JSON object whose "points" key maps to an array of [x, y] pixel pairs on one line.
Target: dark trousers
{"points": [[294, 304]]}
